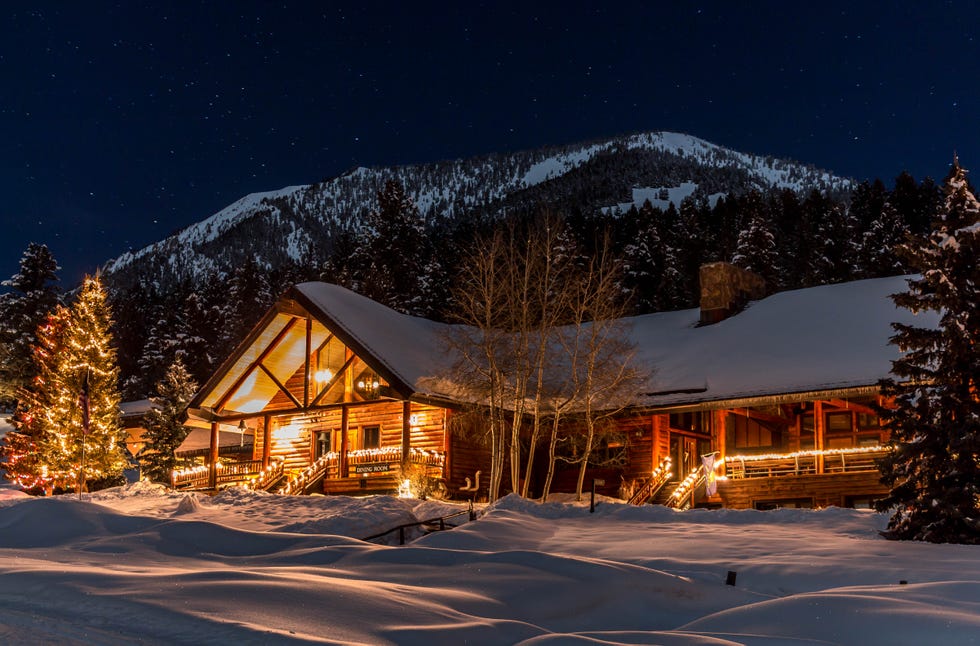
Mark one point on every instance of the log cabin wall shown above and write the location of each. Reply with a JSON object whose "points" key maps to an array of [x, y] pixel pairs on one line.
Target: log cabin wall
{"points": [[468, 454], [428, 427]]}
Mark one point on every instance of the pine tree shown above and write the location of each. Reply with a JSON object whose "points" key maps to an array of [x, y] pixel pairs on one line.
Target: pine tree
{"points": [[393, 252], [21, 449], [85, 366], [22, 310], [878, 248], [756, 247], [934, 470], [249, 296], [644, 260], [164, 430]]}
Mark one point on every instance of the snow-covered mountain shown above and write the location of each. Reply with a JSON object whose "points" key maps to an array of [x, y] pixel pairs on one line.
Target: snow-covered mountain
{"points": [[298, 224]]}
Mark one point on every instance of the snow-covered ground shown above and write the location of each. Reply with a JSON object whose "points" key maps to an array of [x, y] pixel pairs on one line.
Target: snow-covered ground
{"points": [[144, 565]]}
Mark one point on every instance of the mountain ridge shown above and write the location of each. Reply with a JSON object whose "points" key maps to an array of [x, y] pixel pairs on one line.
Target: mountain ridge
{"points": [[297, 223]]}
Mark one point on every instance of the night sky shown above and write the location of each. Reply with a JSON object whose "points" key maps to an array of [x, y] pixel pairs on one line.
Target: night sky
{"points": [[122, 122]]}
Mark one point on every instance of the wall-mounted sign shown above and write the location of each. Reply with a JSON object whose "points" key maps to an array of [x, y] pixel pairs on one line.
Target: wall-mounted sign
{"points": [[372, 467]]}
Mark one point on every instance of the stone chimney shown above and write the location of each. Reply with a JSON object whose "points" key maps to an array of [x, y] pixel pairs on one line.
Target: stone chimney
{"points": [[725, 289]]}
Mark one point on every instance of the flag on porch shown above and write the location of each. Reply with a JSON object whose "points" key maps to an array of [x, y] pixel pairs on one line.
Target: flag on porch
{"points": [[83, 404], [710, 478]]}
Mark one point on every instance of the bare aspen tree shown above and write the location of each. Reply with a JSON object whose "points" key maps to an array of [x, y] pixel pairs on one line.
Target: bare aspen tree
{"points": [[520, 356], [481, 306], [603, 378], [513, 292]]}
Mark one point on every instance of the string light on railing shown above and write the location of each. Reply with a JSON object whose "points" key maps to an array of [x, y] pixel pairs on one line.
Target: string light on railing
{"points": [[805, 454]]}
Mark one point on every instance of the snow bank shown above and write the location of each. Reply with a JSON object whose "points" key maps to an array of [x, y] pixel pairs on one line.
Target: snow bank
{"points": [[141, 563]]}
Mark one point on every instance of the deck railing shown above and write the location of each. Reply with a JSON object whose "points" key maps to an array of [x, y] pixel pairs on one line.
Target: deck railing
{"points": [[227, 472], [850, 460], [251, 473], [329, 465]]}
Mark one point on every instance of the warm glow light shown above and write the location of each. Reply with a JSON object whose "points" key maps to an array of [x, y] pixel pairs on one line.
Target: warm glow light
{"points": [[291, 431], [803, 454], [405, 489]]}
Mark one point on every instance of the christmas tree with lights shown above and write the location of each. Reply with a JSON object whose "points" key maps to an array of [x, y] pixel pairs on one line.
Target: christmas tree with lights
{"points": [[82, 439]]}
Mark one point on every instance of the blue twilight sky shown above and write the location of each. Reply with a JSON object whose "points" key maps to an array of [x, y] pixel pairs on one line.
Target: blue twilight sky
{"points": [[123, 121]]}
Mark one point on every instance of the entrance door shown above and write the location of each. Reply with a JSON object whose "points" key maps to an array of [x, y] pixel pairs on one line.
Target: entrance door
{"points": [[684, 454]]}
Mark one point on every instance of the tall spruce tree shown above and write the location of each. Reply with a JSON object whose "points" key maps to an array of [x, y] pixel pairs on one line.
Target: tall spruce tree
{"points": [[164, 430], [77, 448], [756, 246], [33, 294], [934, 470], [393, 252]]}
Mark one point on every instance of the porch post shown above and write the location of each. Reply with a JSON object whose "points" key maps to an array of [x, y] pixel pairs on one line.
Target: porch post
{"points": [[344, 425], [718, 433], [213, 458], [447, 443], [818, 431], [266, 440], [406, 432]]}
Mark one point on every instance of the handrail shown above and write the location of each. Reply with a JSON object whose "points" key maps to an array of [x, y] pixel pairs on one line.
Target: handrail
{"points": [[657, 480], [298, 481], [268, 476], [686, 488], [441, 520]]}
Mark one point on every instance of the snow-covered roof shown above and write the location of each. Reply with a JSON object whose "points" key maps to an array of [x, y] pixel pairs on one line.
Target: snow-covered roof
{"points": [[821, 338]]}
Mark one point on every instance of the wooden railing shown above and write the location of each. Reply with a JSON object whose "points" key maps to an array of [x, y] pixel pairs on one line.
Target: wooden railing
{"points": [[268, 476], [683, 495], [432, 524], [193, 478], [230, 472], [252, 474], [649, 489], [328, 466], [849, 460]]}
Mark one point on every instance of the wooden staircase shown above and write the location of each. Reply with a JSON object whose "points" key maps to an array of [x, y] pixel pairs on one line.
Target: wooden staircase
{"points": [[650, 489]]}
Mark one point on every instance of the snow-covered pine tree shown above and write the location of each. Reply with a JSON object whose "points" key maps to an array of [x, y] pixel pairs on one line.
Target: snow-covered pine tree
{"points": [[249, 296], [644, 259], [164, 430], [85, 362], [22, 448], [33, 294], [392, 252], [756, 246], [934, 470], [878, 247], [835, 253]]}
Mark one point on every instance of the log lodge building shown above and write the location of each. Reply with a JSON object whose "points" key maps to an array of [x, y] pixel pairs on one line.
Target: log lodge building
{"points": [[334, 393]]}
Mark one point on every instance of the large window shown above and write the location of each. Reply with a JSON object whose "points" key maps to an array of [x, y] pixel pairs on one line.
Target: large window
{"points": [[750, 434]]}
